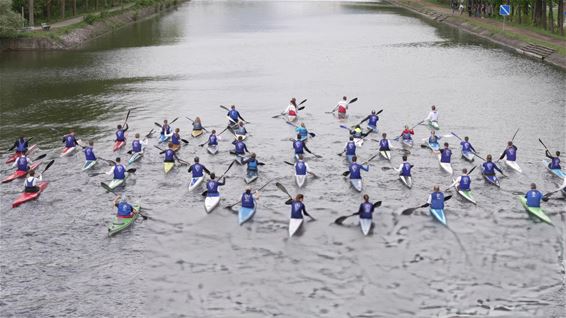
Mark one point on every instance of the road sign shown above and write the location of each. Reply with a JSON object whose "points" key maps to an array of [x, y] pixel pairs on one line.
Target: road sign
{"points": [[504, 10]]}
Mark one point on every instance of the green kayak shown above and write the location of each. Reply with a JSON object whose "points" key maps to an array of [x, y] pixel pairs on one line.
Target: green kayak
{"points": [[538, 212], [119, 224]]}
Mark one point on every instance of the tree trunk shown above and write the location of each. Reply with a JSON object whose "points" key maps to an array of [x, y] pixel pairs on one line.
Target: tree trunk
{"points": [[30, 11], [537, 13], [550, 17], [543, 14], [74, 7], [561, 16], [519, 14], [48, 9], [62, 9], [96, 5]]}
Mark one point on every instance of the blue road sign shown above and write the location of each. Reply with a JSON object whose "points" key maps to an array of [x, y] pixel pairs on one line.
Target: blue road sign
{"points": [[504, 10]]}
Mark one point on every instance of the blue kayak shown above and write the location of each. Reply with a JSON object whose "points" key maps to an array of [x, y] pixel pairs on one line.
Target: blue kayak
{"points": [[163, 138], [438, 214], [557, 172], [246, 214]]}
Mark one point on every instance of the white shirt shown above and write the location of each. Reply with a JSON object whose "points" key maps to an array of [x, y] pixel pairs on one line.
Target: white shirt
{"points": [[289, 108], [33, 181], [343, 103], [16, 162], [432, 116]]}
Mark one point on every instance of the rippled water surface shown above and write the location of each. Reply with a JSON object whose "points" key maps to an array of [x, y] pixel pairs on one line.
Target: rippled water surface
{"points": [[492, 260]]}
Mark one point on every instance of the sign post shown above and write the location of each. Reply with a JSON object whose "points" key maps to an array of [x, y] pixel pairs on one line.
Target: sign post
{"points": [[504, 10]]}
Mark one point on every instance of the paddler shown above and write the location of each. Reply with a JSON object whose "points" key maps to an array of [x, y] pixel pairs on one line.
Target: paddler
{"points": [[21, 145], [464, 181], [213, 139], [197, 124], [31, 182], [301, 167], [350, 149], [240, 147], [198, 169], [510, 153], [436, 199], [118, 170], [212, 186], [165, 129], [125, 210], [176, 139], [406, 134], [302, 130], [433, 139], [366, 209], [384, 143], [248, 198], [137, 145], [432, 116], [252, 165], [554, 161], [169, 154], [488, 167], [298, 209], [234, 115], [342, 107], [299, 146], [445, 154], [357, 132], [22, 163], [241, 130], [372, 120], [291, 109], [70, 140], [467, 146], [405, 168], [89, 151], [356, 168], [533, 197], [121, 132]]}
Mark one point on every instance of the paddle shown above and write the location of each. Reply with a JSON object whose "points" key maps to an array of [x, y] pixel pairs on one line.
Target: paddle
{"points": [[292, 124], [40, 157], [411, 210], [14, 146], [150, 133], [282, 188], [192, 121], [127, 116], [292, 164], [223, 130], [298, 108], [341, 219], [361, 122], [160, 126], [47, 167], [542, 143], [229, 207], [420, 122], [353, 100], [345, 173]]}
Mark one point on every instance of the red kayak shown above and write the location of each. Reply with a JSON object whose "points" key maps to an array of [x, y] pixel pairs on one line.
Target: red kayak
{"points": [[16, 155], [28, 196], [118, 145], [20, 174]]}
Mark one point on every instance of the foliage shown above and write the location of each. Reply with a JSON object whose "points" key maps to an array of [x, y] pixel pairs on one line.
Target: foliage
{"points": [[91, 18], [10, 21]]}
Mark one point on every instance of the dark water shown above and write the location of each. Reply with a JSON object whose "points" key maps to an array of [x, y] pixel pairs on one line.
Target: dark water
{"points": [[56, 260]]}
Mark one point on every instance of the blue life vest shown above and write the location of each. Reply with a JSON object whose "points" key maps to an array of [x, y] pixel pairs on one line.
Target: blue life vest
{"points": [[298, 146], [488, 168], [445, 155], [175, 139], [351, 148], [407, 136], [372, 121], [300, 168], [124, 209], [437, 201], [212, 140], [197, 126], [247, 200], [355, 170], [555, 163], [533, 198], [22, 163], [465, 182], [70, 141], [136, 146], [366, 210], [21, 145], [89, 153], [384, 145], [406, 170], [252, 164], [120, 135], [169, 155], [303, 132], [119, 172], [297, 208], [29, 183], [212, 188], [466, 146], [511, 154], [198, 170], [165, 130], [234, 115], [240, 147]]}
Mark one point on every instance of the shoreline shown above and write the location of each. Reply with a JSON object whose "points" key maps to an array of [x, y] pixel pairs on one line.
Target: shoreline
{"points": [[529, 49], [81, 33]]}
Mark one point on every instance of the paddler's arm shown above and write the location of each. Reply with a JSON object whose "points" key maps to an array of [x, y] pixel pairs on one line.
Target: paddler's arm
{"points": [[190, 169], [116, 199], [206, 170], [126, 127], [364, 166], [307, 149], [223, 182], [111, 170], [429, 201], [548, 154]]}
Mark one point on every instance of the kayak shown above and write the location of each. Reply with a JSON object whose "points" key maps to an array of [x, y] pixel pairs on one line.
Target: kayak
{"points": [[349, 158], [365, 225], [407, 144], [557, 172], [212, 149], [16, 155], [359, 141], [538, 212], [238, 136], [245, 214], [176, 148], [492, 180], [446, 166], [113, 184], [167, 166], [438, 214], [341, 116], [468, 155], [28, 196], [372, 129], [435, 147], [210, 203], [433, 125], [251, 176], [300, 179], [513, 165], [357, 184], [119, 223], [239, 159], [67, 151], [386, 154], [466, 194], [291, 118], [231, 123], [89, 164], [195, 182], [197, 133], [118, 145], [135, 157], [407, 181], [20, 174], [563, 191], [164, 138], [294, 225]]}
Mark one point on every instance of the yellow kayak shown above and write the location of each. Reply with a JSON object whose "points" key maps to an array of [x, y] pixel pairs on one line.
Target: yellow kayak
{"points": [[196, 133], [167, 166]]}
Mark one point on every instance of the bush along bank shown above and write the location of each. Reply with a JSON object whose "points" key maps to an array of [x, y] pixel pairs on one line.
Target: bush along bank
{"points": [[75, 32]]}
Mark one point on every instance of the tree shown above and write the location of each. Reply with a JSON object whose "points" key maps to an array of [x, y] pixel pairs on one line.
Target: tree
{"points": [[30, 9], [10, 21], [561, 16]]}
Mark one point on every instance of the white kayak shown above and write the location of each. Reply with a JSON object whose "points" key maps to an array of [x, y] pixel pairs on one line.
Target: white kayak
{"points": [[407, 144], [212, 149], [135, 157], [294, 225], [251, 177], [89, 164], [300, 179], [245, 214], [446, 166], [386, 154], [291, 118], [195, 182], [210, 203], [359, 141], [365, 225], [468, 155], [513, 165], [407, 181], [357, 184]]}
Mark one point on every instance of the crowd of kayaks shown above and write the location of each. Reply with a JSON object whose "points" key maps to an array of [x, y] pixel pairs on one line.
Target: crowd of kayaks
{"points": [[245, 214]]}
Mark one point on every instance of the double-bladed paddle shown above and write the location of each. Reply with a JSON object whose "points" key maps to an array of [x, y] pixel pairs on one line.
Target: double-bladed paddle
{"points": [[284, 190], [160, 126], [353, 100], [341, 219], [420, 122], [127, 116], [298, 108], [411, 210], [229, 207], [379, 112]]}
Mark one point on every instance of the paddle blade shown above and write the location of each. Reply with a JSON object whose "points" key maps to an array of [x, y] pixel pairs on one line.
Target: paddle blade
{"points": [[341, 219], [304, 101], [448, 197], [282, 188], [204, 193], [353, 100], [345, 173], [48, 165], [287, 162], [184, 140], [132, 170], [192, 121], [312, 134], [288, 201], [377, 204], [158, 125], [345, 127], [40, 157]]}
